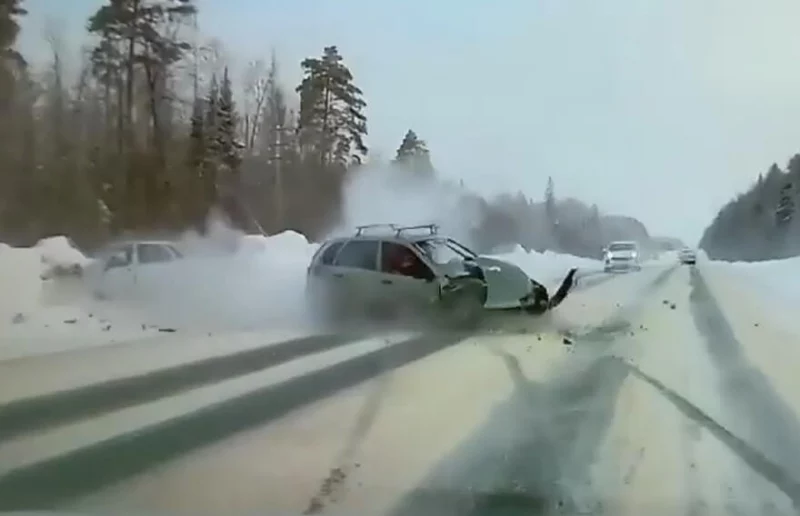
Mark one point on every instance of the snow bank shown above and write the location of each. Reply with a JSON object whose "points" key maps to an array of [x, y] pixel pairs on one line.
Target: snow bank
{"points": [[549, 267], [22, 271], [780, 278]]}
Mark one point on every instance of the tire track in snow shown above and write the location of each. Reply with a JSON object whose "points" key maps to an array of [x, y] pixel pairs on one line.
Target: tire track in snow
{"points": [[767, 421], [760, 463], [41, 412], [53, 483], [533, 454]]}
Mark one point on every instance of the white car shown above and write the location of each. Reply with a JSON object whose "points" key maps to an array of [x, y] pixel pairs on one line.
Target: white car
{"points": [[621, 256], [123, 266], [687, 256]]}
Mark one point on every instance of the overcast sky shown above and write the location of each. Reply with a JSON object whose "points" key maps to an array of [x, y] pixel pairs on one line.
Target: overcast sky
{"points": [[660, 110]]}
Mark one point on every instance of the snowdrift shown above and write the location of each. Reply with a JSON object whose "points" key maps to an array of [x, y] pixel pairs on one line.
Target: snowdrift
{"points": [[549, 267], [779, 278], [22, 271]]}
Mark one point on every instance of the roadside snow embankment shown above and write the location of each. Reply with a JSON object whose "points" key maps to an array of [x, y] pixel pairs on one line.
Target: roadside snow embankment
{"points": [[549, 267], [23, 270], [780, 278]]}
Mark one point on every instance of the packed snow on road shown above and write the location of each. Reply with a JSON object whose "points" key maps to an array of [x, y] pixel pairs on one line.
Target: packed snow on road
{"points": [[206, 388]]}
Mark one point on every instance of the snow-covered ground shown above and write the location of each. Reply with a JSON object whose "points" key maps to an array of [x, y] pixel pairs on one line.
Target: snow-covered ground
{"points": [[780, 278], [669, 390]]}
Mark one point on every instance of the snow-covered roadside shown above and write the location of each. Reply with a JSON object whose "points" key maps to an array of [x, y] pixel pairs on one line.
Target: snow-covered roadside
{"points": [[780, 278], [256, 284], [549, 267]]}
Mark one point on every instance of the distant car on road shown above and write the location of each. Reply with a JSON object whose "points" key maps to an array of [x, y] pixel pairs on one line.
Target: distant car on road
{"points": [[621, 256], [122, 266], [415, 271], [687, 256]]}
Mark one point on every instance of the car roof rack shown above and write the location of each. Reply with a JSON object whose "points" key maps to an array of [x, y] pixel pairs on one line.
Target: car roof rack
{"points": [[360, 229], [432, 228]]}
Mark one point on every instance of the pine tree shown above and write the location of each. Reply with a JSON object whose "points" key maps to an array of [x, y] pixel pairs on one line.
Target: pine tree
{"points": [[786, 207], [229, 150], [227, 122], [413, 154], [11, 61], [137, 42], [197, 147], [133, 38], [332, 124], [550, 202], [551, 214], [211, 149]]}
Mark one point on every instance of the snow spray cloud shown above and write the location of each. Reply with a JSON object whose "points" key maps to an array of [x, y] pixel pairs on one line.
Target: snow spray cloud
{"points": [[230, 281], [376, 195], [249, 281]]}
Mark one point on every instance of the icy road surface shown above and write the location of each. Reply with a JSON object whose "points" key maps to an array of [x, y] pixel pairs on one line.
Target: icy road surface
{"points": [[668, 391]]}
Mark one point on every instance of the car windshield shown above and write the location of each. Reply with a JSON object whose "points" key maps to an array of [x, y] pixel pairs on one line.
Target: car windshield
{"points": [[622, 246], [443, 250]]}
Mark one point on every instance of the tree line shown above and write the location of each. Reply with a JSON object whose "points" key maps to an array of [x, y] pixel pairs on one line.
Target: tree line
{"points": [[155, 133], [759, 224], [151, 135]]}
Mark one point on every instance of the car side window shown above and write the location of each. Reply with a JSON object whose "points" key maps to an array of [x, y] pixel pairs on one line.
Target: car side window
{"points": [[119, 258], [399, 259], [359, 254], [330, 253], [154, 253]]}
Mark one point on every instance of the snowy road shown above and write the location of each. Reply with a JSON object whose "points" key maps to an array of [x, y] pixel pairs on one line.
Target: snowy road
{"points": [[659, 392]]}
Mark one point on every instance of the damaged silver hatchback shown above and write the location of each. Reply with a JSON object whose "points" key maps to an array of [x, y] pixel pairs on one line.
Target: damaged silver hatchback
{"points": [[390, 271]]}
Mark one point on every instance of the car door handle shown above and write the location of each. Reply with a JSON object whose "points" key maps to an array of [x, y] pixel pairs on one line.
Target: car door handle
{"points": [[338, 275], [386, 281]]}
